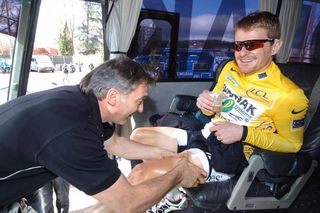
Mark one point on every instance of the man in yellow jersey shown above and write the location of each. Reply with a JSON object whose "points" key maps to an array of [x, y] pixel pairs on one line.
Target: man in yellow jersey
{"points": [[260, 108]]}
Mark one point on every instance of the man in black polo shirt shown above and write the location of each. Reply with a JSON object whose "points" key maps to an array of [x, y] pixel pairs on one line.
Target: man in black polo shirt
{"points": [[67, 132]]}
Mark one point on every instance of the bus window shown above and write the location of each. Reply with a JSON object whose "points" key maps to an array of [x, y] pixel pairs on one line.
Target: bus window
{"points": [[205, 32], [9, 19], [154, 43], [70, 37], [306, 44]]}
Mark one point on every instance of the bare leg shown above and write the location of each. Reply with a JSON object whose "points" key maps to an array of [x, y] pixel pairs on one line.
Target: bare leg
{"points": [[164, 137], [154, 168], [151, 169]]}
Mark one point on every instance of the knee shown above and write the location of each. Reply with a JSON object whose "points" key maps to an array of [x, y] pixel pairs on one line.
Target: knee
{"points": [[137, 134], [199, 158], [134, 134]]}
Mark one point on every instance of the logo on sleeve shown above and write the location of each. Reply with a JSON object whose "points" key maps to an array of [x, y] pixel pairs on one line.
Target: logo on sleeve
{"points": [[233, 69], [296, 112], [297, 123]]}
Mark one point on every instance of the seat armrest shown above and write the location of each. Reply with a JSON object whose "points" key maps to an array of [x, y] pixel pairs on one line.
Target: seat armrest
{"points": [[240, 201], [247, 192]]}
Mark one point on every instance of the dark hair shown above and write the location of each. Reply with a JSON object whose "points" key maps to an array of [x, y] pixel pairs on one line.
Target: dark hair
{"points": [[262, 19], [120, 73]]}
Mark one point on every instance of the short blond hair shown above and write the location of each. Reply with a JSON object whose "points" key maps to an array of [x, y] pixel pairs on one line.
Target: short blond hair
{"points": [[261, 19]]}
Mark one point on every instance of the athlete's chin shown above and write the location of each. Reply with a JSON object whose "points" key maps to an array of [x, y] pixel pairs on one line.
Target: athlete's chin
{"points": [[246, 67]]}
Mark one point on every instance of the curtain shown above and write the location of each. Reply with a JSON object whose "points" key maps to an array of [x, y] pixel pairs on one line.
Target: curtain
{"points": [[120, 30], [121, 25], [268, 5], [289, 17]]}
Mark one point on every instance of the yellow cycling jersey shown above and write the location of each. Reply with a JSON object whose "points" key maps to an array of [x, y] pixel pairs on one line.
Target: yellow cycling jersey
{"points": [[269, 104]]}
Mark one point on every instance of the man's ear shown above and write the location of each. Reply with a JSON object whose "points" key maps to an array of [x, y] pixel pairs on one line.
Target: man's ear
{"points": [[276, 46], [112, 96]]}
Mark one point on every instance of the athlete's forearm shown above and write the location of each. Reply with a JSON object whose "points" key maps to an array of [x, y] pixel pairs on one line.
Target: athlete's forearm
{"points": [[274, 141]]}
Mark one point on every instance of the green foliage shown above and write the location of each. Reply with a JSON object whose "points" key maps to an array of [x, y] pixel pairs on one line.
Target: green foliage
{"points": [[65, 41], [90, 37]]}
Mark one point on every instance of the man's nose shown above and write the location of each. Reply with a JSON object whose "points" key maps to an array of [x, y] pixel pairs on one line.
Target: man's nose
{"points": [[243, 51]]}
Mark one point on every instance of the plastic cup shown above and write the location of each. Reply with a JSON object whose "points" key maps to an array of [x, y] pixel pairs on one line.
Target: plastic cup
{"points": [[217, 102]]}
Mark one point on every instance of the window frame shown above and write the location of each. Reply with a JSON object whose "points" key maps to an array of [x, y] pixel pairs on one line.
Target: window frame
{"points": [[173, 19]]}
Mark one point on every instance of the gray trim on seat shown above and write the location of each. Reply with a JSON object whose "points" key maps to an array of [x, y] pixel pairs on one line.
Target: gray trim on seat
{"points": [[239, 201]]}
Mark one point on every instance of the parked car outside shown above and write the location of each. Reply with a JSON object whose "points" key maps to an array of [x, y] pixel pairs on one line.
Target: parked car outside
{"points": [[41, 63], [5, 66]]}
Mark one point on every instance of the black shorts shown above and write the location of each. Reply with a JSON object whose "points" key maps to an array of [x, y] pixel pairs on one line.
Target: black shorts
{"points": [[226, 158], [195, 140]]}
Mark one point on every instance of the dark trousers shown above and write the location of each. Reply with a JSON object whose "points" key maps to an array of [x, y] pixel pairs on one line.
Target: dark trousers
{"points": [[61, 189], [226, 158], [34, 200]]}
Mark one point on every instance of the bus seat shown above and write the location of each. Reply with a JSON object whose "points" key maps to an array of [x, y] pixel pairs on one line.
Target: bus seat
{"points": [[265, 183]]}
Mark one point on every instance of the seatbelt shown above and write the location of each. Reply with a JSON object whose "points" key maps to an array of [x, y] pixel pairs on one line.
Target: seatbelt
{"points": [[313, 103]]}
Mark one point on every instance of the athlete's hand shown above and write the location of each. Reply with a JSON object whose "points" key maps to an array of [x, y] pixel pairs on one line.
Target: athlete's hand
{"points": [[192, 175], [227, 132], [205, 101]]}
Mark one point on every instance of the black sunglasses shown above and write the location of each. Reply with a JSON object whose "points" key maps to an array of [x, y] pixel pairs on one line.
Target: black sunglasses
{"points": [[251, 44]]}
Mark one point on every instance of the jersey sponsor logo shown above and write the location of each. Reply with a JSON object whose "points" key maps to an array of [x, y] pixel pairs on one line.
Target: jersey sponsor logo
{"points": [[227, 105], [241, 101], [236, 117], [238, 108], [259, 94], [231, 79], [266, 97], [297, 123], [294, 112]]}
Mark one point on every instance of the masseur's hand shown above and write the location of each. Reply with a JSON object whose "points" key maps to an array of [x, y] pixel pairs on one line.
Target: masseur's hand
{"points": [[191, 175]]}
